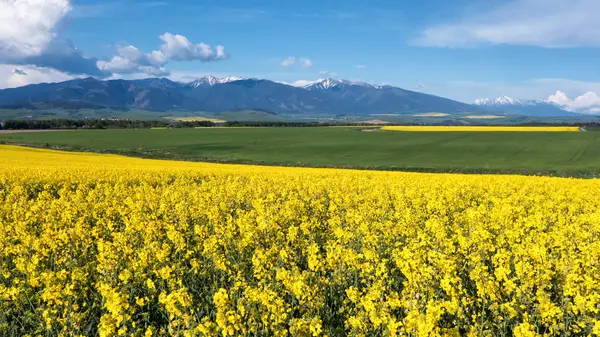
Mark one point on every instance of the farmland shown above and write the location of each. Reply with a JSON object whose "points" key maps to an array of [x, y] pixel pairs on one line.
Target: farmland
{"points": [[109, 245], [546, 153], [483, 128]]}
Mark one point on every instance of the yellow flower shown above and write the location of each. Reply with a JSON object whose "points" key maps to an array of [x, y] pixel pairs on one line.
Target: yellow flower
{"points": [[197, 249]]}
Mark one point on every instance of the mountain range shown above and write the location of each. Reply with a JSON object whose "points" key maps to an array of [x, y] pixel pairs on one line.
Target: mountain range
{"points": [[512, 106], [212, 94]]}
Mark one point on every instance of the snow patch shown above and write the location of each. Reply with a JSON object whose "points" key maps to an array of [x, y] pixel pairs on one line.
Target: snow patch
{"points": [[212, 80]]}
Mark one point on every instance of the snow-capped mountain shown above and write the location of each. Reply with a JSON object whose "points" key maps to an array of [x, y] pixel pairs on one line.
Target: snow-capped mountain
{"points": [[212, 80], [326, 96], [333, 84], [512, 106], [503, 100]]}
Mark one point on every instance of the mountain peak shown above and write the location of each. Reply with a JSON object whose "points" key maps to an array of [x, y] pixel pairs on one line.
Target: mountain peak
{"points": [[327, 83], [502, 100], [332, 83], [211, 80], [511, 106]]}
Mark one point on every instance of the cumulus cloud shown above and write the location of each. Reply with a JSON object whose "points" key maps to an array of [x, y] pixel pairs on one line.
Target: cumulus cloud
{"points": [[12, 75], [545, 23], [131, 60], [28, 26], [288, 62], [529, 89], [560, 98], [179, 48], [29, 36], [586, 103]]}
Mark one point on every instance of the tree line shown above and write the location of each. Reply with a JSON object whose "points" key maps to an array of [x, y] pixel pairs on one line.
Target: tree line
{"points": [[147, 124], [289, 124], [98, 124]]}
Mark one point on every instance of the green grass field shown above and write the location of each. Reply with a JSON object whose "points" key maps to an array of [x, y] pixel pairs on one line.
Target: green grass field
{"points": [[552, 153]]}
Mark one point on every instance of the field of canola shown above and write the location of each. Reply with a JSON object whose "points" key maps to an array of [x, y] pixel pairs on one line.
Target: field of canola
{"points": [[114, 246]]}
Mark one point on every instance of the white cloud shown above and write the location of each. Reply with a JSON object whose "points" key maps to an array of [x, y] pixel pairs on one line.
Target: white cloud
{"points": [[545, 23], [360, 66], [28, 26], [560, 98], [29, 36], [589, 100], [288, 62], [306, 63], [121, 65], [12, 76], [537, 88], [179, 48], [586, 103], [131, 60]]}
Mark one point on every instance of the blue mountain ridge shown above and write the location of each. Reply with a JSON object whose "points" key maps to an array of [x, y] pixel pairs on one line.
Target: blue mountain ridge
{"points": [[211, 94]]}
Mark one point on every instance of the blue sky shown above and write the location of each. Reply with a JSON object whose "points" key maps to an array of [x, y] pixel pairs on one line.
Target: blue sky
{"points": [[461, 49]]}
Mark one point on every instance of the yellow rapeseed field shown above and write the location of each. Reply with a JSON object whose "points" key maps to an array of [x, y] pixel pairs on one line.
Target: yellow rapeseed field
{"points": [[95, 245], [485, 128]]}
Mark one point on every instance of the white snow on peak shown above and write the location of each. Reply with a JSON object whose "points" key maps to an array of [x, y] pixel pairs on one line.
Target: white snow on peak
{"points": [[231, 79], [503, 100], [328, 83], [212, 80]]}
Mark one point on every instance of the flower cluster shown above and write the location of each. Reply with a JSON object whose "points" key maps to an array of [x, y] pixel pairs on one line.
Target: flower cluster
{"points": [[97, 245]]}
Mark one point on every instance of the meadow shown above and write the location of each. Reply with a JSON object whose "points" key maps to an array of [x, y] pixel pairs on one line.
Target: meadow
{"points": [[482, 128], [534, 153], [104, 245]]}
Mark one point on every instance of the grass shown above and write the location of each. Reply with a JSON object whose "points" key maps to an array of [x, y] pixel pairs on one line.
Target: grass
{"points": [[470, 128], [545, 153]]}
